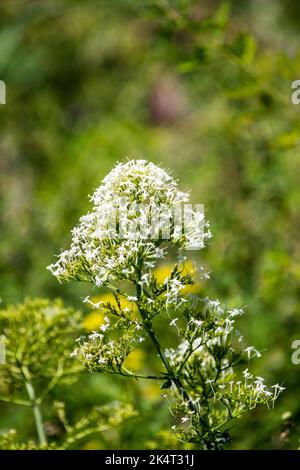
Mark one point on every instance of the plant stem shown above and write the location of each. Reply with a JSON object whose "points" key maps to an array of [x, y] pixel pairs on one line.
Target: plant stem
{"points": [[35, 407], [176, 380], [151, 333], [127, 373], [15, 401]]}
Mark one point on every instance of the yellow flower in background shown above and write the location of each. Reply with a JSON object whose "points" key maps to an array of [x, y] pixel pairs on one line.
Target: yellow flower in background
{"points": [[193, 289], [135, 360], [151, 390], [162, 272], [165, 271], [109, 298], [93, 320]]}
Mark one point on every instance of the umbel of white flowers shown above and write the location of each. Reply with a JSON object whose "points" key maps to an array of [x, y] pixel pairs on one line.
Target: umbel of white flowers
{"points": [[131, 195]]}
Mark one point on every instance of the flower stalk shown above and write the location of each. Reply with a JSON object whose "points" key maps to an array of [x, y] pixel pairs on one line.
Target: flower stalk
{"points": [[38, 418]]}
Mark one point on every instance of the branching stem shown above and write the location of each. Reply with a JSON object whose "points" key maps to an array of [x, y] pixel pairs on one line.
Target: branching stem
{"points": [[35, 407]]}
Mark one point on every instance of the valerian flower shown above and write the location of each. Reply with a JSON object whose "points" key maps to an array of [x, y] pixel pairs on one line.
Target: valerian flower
{"points": [[137, 206], [202, 369]]}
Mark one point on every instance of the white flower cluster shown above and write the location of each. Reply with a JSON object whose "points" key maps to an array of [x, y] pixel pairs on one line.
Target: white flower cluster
{"points": [[207, 358], [100, 353], [127, 197], [206, 333], [105, 350]]}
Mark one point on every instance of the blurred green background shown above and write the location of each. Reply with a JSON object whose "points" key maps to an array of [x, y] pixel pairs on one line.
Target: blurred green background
{"points": [[201, 87]]}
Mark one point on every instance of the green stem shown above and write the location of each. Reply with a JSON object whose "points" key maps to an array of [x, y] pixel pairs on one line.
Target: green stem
{"points": [[15, 401], [151, 333], [35, 407], [127, 373], [176, 380]]}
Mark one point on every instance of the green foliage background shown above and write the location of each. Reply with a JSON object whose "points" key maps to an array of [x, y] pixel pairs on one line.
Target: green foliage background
{"points": [[202, 87]]}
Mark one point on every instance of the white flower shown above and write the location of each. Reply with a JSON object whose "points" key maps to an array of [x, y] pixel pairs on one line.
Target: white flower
{"points": [[277, 390], [247, 375], [95, 335], [196, 322], [251, 349], [104, 327], [215, 305], [235, 312], [137, 325], [196, 343], [99, 252]]}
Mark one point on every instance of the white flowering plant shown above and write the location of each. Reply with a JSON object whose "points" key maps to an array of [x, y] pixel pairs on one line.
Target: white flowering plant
{"points": [[203, 375]]}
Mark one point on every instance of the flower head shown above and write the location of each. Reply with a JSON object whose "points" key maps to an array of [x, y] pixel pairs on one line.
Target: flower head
{"points": [[134, 210]]}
